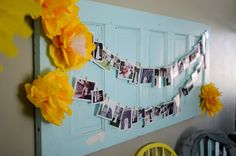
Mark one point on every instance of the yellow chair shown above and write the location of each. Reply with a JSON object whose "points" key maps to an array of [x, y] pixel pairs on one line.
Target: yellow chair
{"points": [[156, 149]]}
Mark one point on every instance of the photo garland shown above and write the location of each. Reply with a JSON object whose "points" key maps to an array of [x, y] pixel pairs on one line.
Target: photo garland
{"points": [[123, 117]]}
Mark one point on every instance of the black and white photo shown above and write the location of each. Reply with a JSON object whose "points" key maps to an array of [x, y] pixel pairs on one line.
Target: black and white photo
{"points": [[117, 116], [126, 120], [134, 115], [136, 75], [106, 110], [83, 88], [97, 96], [97, 53], [157, 78], [116, 63], [146, 75]]}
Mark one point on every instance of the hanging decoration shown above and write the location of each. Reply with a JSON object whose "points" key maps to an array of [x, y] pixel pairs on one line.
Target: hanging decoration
{"points": [[210, 102], [52, 93], [13, 13], [72, 42], [123, 117]]}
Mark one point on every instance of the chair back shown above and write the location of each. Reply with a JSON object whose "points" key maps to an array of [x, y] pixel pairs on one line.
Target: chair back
{"points": [[208, 143], [209, 147], [156, 149]]}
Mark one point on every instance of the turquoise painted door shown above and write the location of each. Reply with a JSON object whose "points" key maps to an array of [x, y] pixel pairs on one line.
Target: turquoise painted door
{"points": [[135, 36]]}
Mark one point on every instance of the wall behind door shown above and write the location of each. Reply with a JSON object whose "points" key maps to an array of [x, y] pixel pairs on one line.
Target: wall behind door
{"points": [[17, 115]]}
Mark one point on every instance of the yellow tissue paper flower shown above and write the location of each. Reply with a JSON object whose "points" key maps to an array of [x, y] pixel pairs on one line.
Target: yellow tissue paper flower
{"points": [[210, 102], [12, 19], [53, 94], [73, 48], [12, 22], [57, 14]]}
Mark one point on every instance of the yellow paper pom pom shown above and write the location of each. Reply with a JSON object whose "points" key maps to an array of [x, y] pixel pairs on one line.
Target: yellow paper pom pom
{"points": [[57, 14], [210, 102], [73, 48], [53, 94]]}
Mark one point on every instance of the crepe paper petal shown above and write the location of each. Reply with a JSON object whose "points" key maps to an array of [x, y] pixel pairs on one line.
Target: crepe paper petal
{"points": [[73, 48], [12, 19], [57, 14], [52, 94], [210, 102]]}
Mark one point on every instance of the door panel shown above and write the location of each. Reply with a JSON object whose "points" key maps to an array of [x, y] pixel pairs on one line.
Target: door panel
{"points": [[134, 36]]}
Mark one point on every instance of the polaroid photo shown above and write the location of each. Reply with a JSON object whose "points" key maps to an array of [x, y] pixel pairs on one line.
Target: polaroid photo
{"points": [[126, 120], [194, 76], [193, 57], [203, 44], [174, 70], [116, 63], [126, 70], [186, 62], [106, 110], [83, 88], [187, 88], [177, 107], [157, 78], [163, 109], [148, 116], [107, 60], [136, 75], [199, 66], [170, 108], [157, 111], [134, 115], [168, 77], [97, 53], [97, 96], [146, 75], [181, 66], [117, 116], [141, 113]]}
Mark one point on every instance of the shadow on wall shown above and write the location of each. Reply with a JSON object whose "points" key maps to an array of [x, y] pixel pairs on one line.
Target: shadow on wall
{"points": [[27, 108]]}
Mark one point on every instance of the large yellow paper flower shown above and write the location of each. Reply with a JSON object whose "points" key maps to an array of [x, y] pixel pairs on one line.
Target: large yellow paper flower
{"points": [[12, 22], [73, 48], [57, 14], [210, 102], [53, 94]]}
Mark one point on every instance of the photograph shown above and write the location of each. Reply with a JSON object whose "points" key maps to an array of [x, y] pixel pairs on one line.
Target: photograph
{"points": [[157, 78], [194, 76], [170, 108], [177, 108], [148, 116], [193, 57], [126, 70], [126, 120], [107, 60], [97, 96], [146, 75], [187, 88], [163, 109], [134, 115], [181, 66], [141, 113], [83, 88], [157, 110], [106, 110], [174, 70], [116, 63], [167, 76], [97, 53], [136, 75], [186, 62], [117, 116]]}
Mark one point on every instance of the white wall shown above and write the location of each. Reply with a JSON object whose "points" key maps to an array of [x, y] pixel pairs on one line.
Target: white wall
{"points": [[17, 114]]}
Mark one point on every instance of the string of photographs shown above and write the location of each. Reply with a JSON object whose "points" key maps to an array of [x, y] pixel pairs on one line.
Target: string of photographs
{"points": [[123, 117], [136, 74]]}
